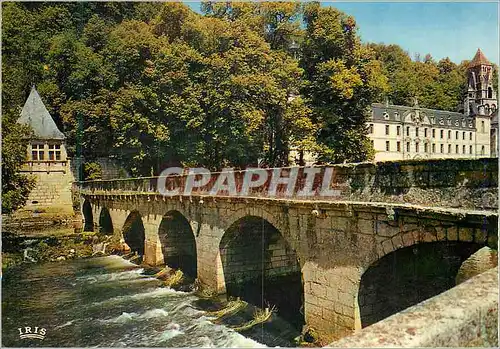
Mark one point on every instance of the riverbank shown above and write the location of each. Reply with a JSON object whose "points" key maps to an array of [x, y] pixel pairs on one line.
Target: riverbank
{"points": [[62, 244]]}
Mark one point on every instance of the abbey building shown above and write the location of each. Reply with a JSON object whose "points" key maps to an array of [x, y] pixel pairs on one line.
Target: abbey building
{"points": [[401, 132]]}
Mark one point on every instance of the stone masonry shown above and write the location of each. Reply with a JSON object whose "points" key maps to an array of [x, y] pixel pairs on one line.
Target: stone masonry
{"points": [[334, 242]]}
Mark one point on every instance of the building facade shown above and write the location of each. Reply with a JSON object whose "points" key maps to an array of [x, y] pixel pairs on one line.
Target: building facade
{"points": [[402, 132]]}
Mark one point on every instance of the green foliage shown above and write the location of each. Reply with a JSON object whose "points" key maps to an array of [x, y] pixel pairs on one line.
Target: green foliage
{"points": [[437, 85], [91, 171], [15, 186], [155, 84], [343, 80]]}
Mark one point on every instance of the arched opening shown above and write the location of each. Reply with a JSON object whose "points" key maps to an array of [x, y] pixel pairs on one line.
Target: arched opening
{"points": [[490, 92], [88, 216], [178, 243], [260, 267], [133, 233], [105, 222], [408, 276]]}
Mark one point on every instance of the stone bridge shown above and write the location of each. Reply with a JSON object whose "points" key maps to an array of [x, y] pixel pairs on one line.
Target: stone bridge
{"points": [[388, 236]]}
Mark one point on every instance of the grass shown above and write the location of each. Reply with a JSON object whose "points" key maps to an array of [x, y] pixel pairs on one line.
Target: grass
{"points": [[259, 316], [175, 278], [162, 273], [231, 308], [53, 212]]}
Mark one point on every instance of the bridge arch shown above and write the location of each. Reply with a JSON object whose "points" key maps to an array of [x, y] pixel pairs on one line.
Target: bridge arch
{"points": [[134, 233], [178, 242], [105, 222], [259, 266], [87, 216], [409, 275]]}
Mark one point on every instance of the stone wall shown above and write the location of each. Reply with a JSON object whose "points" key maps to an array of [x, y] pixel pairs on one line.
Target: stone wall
{"points": [[464, 316], [110, 168], [451, 183], [53, 184]]}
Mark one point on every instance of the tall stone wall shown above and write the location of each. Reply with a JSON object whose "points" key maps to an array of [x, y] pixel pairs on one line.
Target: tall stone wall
{"points": [[53, 184]]}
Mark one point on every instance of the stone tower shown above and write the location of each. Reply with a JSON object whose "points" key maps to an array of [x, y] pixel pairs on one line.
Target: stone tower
{"points": [[481, 98], [46, 159]]}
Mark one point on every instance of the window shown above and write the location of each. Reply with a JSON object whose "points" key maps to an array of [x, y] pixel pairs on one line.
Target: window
{"points": [[425, 132], [54, 152], [387, 145], [408, 131], [408, 147], [470, 136], [426, 148], [373, 144], [386, 115], [441, 134], [370, 129], [449, 148], [433, 133], [482, 150], [490, 92], [398, 130], [470, 149], [417, 146], [396, 115], [387, 129], [456, 149], [456, 135], [398, 146], [463, 149], [449, 134], [37, 152], [463, 136], [433, 147], [482, 126], [416, 131], [442, 148]]}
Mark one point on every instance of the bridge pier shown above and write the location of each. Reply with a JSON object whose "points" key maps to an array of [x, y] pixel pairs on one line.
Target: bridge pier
{"points": [[210, 271], [331, 299], [118, 217], [153, 254]]}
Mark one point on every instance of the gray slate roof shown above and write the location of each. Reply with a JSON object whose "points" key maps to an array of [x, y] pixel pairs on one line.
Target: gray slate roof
{"points": [[36, 115], [452, 120]]}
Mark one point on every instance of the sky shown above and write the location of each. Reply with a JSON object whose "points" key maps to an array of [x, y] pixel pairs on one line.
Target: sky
{"points": [[443, 29]]}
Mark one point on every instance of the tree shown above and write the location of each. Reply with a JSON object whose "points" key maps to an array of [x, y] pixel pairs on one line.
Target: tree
{"points": [[15, 186], [343, 79]]}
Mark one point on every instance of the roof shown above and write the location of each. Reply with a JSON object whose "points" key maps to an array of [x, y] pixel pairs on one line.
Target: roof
{"points": [[479, 59], [402, 114], [36, 115]]}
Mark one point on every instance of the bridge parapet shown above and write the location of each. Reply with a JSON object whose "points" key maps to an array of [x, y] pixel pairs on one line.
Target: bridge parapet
{"points": [[455, 183]]}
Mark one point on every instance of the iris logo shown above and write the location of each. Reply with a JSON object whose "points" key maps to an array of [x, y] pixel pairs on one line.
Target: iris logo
{"points": [[32, 333]]}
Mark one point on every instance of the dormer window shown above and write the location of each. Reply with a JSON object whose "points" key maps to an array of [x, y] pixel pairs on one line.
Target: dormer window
{"points": [[396, 116], [386, 115]]}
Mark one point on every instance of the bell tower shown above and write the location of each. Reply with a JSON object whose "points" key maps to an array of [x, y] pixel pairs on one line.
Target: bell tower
{"points": [[481, 98]]}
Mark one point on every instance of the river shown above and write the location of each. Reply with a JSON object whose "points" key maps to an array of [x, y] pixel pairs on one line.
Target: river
{"points": [[110, 302]]}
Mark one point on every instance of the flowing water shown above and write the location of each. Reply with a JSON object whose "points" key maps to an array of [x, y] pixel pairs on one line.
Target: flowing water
{"points": [[109, 302]]}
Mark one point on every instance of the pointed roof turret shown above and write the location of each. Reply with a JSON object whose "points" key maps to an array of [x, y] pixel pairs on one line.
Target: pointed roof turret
{"points": [[479, 59], [36, 115]]}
